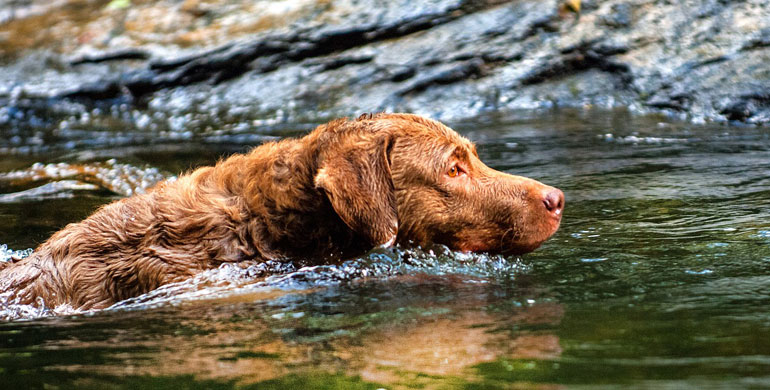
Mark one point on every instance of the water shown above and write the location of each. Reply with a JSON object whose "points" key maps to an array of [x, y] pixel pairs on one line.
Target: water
{"points": [[658, 278]]}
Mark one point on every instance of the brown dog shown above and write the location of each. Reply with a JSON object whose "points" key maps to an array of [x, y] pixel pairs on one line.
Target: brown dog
{"points": [[344, 188]]}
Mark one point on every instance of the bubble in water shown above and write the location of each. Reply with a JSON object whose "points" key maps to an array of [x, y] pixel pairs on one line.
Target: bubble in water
{"points": [[7, 254], [594, 260], [701, 272]]}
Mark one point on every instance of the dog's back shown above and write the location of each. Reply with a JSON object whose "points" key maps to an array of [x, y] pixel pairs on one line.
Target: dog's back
{"points": [[135, 245], [257, 206]]}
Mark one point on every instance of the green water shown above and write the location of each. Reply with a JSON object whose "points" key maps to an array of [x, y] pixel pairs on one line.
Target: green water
{"points": [[658, 278]]}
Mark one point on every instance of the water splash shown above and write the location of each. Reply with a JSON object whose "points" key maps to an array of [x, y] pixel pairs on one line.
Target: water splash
{"points": [[264, 280], [636, 139], [9, 255], [53, 190], [10, 310], [122, 179], [243, 279]]}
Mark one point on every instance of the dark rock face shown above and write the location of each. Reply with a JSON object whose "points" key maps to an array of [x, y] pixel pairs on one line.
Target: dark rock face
{"points": [[703, 60]]}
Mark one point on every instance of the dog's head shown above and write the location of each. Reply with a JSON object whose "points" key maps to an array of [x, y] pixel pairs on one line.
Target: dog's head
{"points": [[408, 179]]}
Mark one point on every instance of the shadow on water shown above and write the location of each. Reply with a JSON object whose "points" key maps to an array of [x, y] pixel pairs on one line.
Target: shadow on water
{"points": [[658, 276]]}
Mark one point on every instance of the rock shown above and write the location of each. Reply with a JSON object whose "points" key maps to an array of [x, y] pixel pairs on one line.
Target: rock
{"points": [[455, 73], [703, 60], [586, 55], [762, 39], [122, 54], [620, 16], [751, 107]]}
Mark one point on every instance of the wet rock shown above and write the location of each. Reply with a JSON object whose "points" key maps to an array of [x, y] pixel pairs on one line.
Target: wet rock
{"points": [[586, 55], [703, 60], [118, 55], [762, 39], [620, 16], [339, 62], [452, 74], [100, 90], [752, 107], [272, 51], [402, 73]]}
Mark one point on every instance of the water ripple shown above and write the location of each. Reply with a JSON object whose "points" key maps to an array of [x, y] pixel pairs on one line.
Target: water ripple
{"points": [[266, 279], [122, 179]]}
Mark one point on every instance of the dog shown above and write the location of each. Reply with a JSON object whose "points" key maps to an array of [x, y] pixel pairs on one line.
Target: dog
{"points": [[346, 187]]}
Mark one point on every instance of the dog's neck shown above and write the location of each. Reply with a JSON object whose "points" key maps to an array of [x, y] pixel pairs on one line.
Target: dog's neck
{"points": [[291, 218]]}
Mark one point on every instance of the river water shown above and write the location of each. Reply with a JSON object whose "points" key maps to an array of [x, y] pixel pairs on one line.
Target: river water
{"points": [[658, 278]]}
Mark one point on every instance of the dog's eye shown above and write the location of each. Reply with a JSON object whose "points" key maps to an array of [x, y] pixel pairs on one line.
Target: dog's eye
{"points": [[454, 171]]}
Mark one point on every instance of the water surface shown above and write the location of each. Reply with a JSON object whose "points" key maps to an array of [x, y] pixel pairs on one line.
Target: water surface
{"points": [[658, 278]]}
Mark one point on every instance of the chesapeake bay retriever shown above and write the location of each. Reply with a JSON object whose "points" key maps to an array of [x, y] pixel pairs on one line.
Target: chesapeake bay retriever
{"points": [[344, 188]]}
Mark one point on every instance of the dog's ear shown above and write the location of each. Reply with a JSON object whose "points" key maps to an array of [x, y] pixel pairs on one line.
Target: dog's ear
{"points": [[355, 175]]}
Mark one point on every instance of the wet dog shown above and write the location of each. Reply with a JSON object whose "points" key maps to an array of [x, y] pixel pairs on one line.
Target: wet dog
{"points": [[346, 187]]}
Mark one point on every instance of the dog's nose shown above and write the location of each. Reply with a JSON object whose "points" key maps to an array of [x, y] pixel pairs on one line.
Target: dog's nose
{"points": [[554, 202]]}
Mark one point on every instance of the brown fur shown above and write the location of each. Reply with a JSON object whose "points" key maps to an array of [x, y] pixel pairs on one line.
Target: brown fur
{"points": [[342, 189]]}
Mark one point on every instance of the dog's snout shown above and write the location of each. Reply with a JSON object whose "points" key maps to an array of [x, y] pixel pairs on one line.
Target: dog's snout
{"points": [[554, 201]]}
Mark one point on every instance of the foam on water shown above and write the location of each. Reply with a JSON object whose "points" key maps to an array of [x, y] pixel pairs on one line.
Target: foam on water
{"points": [[245, 279], [240, 279], [8, 254], [122, 179], [10, 310]]}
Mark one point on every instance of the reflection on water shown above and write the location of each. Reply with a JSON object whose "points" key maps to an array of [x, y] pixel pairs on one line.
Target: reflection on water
{"points": [[401, 330], [659, 276]]}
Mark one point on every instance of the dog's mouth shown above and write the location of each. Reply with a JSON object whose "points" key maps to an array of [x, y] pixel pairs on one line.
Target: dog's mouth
{"points": [[546, 230], [510, 243]]}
